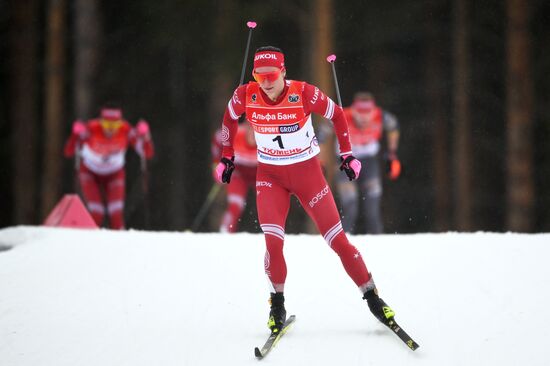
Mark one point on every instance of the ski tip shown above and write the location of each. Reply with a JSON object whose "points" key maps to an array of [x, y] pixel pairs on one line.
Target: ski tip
{"points": [[258, 353]]}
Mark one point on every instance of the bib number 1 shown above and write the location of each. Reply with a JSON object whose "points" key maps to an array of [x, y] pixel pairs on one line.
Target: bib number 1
{"points": [[279, 140]]}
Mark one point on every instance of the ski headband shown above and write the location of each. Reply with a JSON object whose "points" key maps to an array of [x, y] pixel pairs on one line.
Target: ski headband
{"points": [[363, 105], [112, 114], [269, 58]]}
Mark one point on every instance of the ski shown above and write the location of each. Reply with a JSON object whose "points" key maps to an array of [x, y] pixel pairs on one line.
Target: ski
{"points": [[273, 339], [396, 328]]}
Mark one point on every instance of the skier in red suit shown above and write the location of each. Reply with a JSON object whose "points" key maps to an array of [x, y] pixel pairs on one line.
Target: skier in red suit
{"points": [[367, 123], [244, 178], [280, 110], [101, 145]]}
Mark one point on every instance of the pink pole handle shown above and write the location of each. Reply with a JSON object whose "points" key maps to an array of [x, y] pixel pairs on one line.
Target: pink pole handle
{"points": [[251, 24], [331, 58]]}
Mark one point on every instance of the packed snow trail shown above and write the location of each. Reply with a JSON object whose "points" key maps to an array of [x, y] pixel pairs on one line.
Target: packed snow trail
{"points": [[77, 297]]}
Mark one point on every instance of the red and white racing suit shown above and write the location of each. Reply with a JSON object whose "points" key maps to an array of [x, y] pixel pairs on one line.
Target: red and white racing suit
{"points": [[101, 172], [365, 142], [242, 180], [288, 165]]}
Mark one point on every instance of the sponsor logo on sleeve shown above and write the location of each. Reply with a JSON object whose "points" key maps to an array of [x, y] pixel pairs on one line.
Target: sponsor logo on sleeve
{"points": [[225, 134], [236, 99], [315, 96]]}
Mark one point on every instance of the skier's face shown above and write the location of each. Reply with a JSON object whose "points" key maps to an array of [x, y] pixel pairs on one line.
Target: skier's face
{"points": [[363, 112], [271, 80], [362, 118]]}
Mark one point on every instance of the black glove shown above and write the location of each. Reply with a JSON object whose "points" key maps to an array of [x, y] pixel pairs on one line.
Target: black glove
{"points": [[351, 166], [226, 167]]}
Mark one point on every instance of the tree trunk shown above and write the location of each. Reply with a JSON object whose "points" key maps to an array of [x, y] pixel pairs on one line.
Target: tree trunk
{"points": [[520, 184], [86, 53], [54, 104], [462, 145], [435, 77], [23, 88], [226, 38], [323, 45], [178, 93]]}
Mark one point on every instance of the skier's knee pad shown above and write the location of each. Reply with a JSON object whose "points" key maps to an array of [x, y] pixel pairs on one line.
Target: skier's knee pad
{"points": [[236, 199], [96, 207], [347, 192], [373, 188], [115, 206]]}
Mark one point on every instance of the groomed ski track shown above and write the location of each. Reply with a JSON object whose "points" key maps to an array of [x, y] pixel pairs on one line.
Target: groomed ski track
{"points": [[89, 298]]}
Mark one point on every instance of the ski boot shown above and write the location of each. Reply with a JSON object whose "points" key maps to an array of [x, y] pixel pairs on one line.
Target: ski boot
{"points": [[277, 314], [378, 307]]}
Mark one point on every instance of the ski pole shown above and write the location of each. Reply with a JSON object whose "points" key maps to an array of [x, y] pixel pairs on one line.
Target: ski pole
{"points": [[331, 60], [206, 206], [251, 25], [216, 187], [145, 187], [76, 183]]}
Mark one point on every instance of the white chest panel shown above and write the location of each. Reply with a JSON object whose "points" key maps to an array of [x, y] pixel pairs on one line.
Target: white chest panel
{"points": [[281, 144]]}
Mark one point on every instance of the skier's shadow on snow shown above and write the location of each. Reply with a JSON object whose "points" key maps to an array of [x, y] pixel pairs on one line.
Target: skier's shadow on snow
{"points": [[381, 332], [377, 332], [4, 248]]}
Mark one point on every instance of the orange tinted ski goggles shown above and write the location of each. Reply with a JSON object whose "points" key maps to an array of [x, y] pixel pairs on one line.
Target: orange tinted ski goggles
{"points": [[110, 125], [271, 76]]}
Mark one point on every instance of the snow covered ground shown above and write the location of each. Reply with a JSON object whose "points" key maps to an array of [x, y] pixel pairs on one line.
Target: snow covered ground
{"points": [[79, 297]]}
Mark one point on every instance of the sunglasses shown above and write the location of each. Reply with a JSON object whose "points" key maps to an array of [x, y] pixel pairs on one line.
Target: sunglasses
{"points": [[271, 76]]}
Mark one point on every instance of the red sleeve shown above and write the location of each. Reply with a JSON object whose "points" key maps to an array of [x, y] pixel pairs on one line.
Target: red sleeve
{"points": [[315, 101], [70, 146], [142, 145], [74, 140], [148, 148], [216, 146], [235, 108]]}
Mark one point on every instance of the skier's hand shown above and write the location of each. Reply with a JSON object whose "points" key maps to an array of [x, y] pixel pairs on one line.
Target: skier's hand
{"points": [[79, 129], [224, 169], [351, 166], [142, 129], [393, 166]]}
